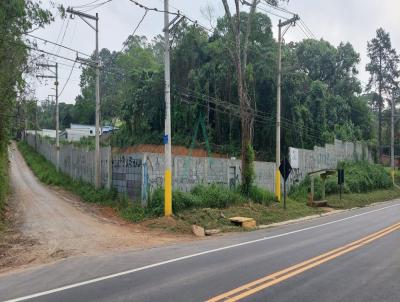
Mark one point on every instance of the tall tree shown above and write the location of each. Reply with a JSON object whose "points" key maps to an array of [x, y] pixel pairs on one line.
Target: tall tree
{"points": [[383, 73], [238, 52]]}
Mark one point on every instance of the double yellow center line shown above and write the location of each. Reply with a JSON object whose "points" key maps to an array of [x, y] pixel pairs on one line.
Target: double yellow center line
{"points": [[275, 278]]}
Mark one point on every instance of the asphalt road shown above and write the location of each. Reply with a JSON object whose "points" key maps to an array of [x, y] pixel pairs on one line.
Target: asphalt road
{"points": [[351, 256]]}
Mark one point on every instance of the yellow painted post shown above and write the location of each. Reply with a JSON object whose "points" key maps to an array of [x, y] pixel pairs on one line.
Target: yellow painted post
{"points": [[278, 185], [168, 193]]}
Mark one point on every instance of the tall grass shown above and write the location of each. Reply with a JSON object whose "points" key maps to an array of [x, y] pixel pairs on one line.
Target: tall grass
{"points": [[209, 196], [48, 174]]}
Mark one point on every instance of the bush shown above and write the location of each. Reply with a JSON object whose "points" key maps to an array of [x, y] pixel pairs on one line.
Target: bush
{"points": [[259, 195]]}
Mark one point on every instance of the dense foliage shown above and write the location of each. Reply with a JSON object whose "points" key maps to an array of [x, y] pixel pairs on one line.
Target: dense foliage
{"points": [[321, 95], [16, 18]]}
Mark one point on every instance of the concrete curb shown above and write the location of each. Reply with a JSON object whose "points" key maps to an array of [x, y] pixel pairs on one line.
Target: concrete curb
{"points": [[301, 219], [316, 216]]}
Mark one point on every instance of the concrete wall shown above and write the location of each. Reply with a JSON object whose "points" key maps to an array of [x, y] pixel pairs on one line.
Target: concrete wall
{"points": [[75, 162], [304, 161], [138, 174], [187, 172]]}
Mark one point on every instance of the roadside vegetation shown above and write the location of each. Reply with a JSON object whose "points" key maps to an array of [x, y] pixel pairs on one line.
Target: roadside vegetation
{"points": [[208, 206], [4, 185], [48, 174], [211, 206], [365, 183]]}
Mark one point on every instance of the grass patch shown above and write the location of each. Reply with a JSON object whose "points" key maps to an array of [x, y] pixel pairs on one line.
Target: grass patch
{"points": [[212, 218], [48, 174], [362, 199], [4, 183]]}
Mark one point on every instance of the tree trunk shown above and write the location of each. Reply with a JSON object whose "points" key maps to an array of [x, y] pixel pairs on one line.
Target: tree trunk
{"points": [[246, 115]]}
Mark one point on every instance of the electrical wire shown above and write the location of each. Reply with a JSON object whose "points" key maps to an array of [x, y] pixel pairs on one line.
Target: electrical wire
{"points": [[178, 13], [63, 37], [274, 14], [136, 28], [307, 28], [95, 6], [278, 8], [69, 77], [58, 44], [86, 5]]}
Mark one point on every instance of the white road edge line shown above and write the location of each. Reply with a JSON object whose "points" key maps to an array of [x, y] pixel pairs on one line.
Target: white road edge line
{"points": [[63, 288]]}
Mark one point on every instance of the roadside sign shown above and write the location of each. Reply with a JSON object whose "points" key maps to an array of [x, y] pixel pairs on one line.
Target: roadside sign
{"points": [[285, 168], [340, 176]]}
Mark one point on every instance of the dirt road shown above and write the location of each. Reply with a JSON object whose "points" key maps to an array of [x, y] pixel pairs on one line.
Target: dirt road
{"points": [[51, 224]]}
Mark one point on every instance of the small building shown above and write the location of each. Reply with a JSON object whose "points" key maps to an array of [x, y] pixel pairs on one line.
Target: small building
{"points": [[77, 131]]}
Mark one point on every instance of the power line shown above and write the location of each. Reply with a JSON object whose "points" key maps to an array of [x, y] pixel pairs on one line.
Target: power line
{"points": [[234, 107], [189, 18], [177, 14], [307, 28], [300, 28], [87, 4], [58, 44], [274, 14], [257, 118], [136, 28], [55, 55], [278, 8], [66, 83], [59, 33], [95, 6], [63, 36]]}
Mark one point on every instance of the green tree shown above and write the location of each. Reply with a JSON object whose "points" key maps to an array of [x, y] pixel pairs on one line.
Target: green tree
{"points": [[383, 73]]}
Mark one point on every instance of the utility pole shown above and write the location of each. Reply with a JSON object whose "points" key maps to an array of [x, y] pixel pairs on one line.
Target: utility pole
{"points": [[392, 165], [287, 23], [55, 76], [97, 163], [167, 136], [167, 132]]}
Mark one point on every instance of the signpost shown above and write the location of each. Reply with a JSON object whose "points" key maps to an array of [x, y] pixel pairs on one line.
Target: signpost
{"points": [[285, 168], [340, 181]]}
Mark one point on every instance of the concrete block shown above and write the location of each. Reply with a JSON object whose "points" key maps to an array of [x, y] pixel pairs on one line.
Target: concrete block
{"points": [[198, 231]]}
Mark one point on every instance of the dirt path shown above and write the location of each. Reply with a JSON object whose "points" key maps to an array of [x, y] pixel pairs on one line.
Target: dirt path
{"points": [[51, 224]]}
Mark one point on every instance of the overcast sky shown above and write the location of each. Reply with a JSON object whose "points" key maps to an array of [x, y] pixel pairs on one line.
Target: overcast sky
{"points": [[353, 21]]}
